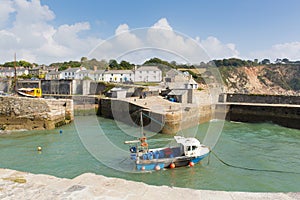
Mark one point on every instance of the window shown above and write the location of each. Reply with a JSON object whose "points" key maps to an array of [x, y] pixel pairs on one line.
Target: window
{"points": [[112, 74], [121, 74]]}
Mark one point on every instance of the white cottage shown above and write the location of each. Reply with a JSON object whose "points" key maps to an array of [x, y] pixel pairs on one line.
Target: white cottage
{"points": [[119, 76], [148, 74], [83, 74], [70, 73], [54, 75], [97, 75]]}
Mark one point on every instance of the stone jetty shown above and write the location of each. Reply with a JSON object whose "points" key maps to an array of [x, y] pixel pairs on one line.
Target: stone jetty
{"points": [[21, 113]]}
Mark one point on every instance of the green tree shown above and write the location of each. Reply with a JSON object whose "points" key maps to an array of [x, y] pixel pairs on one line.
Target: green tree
{"points": [[113, 64], [265, 61], [25, 64], [126, 65]]}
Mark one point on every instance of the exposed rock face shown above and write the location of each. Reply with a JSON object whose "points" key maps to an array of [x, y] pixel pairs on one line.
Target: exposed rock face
{"points": [[21, 185], [272, 80], [34, 114]]}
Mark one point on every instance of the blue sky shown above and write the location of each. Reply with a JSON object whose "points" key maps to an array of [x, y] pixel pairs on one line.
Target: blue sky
{"points": [[246, 29]]}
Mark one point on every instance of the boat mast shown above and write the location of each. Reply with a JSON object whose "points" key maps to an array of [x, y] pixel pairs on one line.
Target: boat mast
{"points": [[15, 68], [141, 122]]}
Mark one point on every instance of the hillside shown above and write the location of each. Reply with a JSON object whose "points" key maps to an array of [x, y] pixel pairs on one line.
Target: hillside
{"points": [[262, 79]]}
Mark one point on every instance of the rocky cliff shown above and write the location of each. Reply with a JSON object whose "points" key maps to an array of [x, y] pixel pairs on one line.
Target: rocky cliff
{"points": [[264, 79]]}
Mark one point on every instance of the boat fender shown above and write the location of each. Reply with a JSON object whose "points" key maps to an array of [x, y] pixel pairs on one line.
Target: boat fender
{"points": [[172, 165], [157, 167]]}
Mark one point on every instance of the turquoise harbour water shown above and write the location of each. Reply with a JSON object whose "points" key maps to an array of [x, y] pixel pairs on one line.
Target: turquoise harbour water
{"points": [[261, 146]]}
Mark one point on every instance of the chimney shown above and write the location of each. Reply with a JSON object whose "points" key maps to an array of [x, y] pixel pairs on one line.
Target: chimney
{"points": [[95, 68], [80, 67]]}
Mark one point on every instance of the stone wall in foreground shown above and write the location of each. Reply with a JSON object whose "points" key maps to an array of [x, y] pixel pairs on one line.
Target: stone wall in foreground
{"points": [[22, 185], [34, 114]]}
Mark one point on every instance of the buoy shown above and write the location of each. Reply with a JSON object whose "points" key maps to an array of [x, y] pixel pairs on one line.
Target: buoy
{"points": [[39, 148], [157, 167], [191, 164], [60, 131], [172, 166], [143, 168]]}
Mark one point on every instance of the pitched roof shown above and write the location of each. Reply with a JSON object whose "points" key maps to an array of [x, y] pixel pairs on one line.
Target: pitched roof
{"points": [[74, 69], [84, 71], [119, 72], [177, 92], [98, 72], [148, 68], [54, 72]]}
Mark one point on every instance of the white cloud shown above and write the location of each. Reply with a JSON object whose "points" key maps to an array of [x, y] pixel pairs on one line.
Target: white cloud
{"points": [[6, 8], [217, 50], [286, 50], [32, 36], [121, 29], [162, 24], [161, 41]]}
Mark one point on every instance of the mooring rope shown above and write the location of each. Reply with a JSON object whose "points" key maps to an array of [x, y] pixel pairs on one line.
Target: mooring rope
{"points": [[251, 169]]}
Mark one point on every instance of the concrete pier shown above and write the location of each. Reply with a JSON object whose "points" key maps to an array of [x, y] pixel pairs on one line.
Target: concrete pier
{"points": [[22, 185]]}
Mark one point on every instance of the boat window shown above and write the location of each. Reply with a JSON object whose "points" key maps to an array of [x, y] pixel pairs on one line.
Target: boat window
{"points": [[194, 147], [188, 148]]}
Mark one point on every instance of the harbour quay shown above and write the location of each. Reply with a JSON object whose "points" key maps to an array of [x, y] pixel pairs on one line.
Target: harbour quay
{"points": [[20, 113]]}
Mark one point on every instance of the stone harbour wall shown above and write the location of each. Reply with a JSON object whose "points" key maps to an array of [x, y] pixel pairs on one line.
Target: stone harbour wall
{"points": [[254, 98], [284, 115], [169, 121], [21, 113]]}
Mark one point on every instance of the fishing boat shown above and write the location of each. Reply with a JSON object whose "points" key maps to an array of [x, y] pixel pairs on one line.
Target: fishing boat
{"points": [[30, 92], [186, 152]]}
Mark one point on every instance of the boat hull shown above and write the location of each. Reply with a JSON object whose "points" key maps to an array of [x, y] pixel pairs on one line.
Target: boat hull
{"points": [[157, 164]]}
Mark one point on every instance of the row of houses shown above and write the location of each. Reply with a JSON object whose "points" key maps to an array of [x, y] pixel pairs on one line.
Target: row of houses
{"points": [[38, 71], [141, 74]]}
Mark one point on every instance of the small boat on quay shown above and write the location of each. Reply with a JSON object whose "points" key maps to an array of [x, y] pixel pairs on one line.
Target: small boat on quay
{"points": [[186, 152], [30, 92]]}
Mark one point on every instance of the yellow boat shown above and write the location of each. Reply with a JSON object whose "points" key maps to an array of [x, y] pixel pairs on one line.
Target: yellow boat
{"points": [[30, 92]]}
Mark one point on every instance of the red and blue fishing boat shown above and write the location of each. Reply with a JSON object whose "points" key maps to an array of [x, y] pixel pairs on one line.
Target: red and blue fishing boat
{"points": [[185, 152]]}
